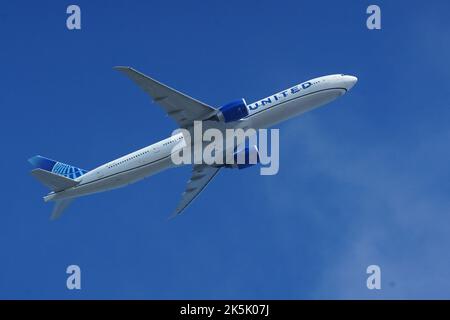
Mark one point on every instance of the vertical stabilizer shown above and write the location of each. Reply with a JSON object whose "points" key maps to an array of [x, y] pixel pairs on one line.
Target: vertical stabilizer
{"points": [[57, 167]]}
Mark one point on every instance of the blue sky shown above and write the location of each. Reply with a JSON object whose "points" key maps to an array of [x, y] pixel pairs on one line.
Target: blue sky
{"points": [[362, 181]]}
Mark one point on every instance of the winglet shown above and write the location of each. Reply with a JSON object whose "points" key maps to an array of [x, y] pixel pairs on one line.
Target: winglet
{"points": [[121, 68]]}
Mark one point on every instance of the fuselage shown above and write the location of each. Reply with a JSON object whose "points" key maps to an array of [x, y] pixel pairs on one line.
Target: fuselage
{"points": [[154, 158]]}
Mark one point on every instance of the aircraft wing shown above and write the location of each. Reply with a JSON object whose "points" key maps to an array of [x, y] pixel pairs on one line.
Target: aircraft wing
{"points": [[202, 174], [182, 108]]}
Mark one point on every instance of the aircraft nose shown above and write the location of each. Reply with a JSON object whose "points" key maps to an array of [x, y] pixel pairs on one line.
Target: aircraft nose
{"points": [[349, 81]]}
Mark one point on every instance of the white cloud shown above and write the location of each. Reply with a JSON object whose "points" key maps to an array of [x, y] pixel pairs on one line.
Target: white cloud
{"points": [[397, 210]]}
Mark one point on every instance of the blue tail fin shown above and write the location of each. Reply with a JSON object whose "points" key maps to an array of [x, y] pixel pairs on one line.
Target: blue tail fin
{"points": [[53, 166]]}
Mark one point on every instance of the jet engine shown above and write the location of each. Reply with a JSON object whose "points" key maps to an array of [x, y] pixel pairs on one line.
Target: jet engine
{"points": [[245, 158], [233, 111]]}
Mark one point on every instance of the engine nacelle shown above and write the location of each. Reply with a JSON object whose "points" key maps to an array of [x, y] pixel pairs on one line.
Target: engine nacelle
{"points": [[245, 158], [234, 111]]}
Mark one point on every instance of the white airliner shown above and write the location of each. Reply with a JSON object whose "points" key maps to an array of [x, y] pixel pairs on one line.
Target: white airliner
{"points": [[68, 182]]}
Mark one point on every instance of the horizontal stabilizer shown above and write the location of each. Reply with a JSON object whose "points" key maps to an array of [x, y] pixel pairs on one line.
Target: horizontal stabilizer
{"points": [[60, 206], [54, 181]]}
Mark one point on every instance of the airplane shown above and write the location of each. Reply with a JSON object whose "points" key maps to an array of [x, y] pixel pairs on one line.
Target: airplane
{"points": [[68, 182]]}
